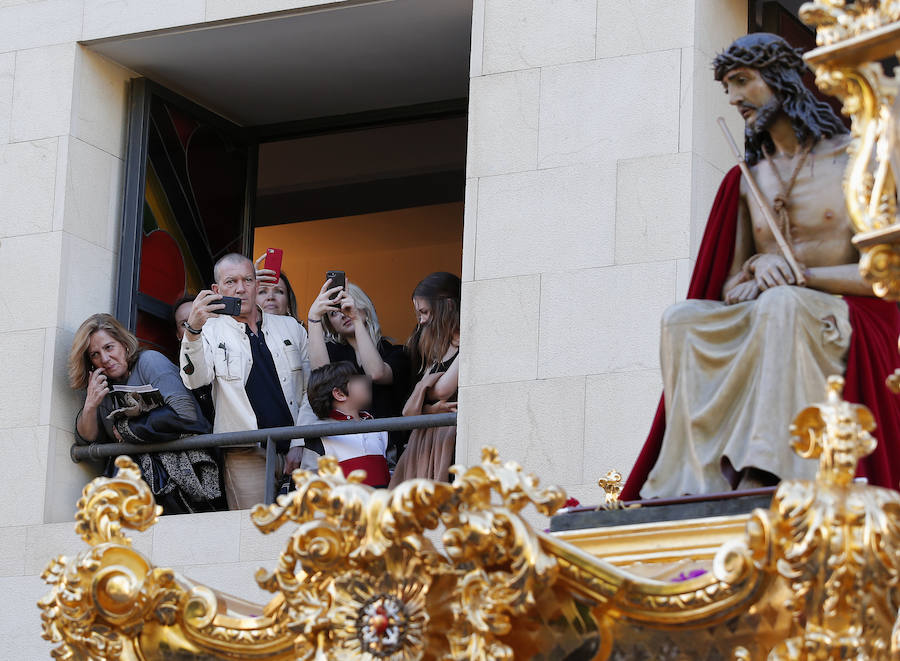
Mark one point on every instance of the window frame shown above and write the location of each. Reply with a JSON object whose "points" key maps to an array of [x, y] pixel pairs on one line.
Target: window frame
{"points": [[142, 91]]}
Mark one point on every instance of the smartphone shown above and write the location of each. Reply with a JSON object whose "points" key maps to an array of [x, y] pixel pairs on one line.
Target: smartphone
{"points": [[273, 261], [232, 306], [338, 279]]}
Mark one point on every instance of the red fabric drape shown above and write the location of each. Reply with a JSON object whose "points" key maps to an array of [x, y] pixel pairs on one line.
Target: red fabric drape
{"points": [[872, 356]]}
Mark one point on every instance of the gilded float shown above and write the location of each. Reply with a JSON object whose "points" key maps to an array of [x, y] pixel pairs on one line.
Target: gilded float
{"points": [[816, 576]]}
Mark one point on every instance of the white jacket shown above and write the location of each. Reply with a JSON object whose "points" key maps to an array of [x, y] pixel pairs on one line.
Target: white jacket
{"points": [[221, 356]]}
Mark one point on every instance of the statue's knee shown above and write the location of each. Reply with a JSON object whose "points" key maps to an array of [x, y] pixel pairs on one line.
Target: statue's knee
{"points": [[679, 314], [781, 301]]}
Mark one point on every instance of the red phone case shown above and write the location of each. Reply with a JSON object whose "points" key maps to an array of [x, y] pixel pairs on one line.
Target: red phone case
{"points": [[273, 261]]}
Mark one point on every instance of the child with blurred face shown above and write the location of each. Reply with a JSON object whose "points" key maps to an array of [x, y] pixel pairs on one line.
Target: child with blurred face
{"points": [[337, 392], [343, 326]]}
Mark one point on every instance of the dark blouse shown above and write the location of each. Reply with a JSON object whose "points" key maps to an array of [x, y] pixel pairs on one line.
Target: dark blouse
{"points": [[387, 398]]}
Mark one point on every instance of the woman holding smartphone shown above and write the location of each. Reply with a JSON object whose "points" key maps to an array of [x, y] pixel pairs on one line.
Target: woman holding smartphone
{"points": [[277, 298], [104, 354], [343, 326], [274, 294]]}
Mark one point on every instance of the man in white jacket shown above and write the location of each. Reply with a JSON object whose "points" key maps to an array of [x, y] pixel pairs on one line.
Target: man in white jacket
{"points": [[258, 365]]}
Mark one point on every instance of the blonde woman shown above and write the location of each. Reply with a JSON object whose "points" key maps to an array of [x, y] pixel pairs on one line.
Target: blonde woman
{"points": [[346, 328], [105, 354]]}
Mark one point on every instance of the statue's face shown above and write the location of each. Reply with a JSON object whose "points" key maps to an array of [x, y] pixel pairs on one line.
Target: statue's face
{"points": [[751, 95]]}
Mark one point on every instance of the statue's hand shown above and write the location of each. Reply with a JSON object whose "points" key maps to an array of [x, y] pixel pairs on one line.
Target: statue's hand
{"points": [[742, 292], [772, 271]]}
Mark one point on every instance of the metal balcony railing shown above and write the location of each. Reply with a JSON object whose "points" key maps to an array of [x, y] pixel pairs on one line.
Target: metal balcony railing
{"points": [[264, 437]]}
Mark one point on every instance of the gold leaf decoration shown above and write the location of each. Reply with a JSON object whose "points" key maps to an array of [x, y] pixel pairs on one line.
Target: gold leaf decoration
{"points": [[359, 574], [835, 542], [108, 592]]}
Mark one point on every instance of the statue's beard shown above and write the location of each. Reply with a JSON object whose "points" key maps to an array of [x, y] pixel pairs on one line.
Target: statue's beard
{"points": [[765, 116]]}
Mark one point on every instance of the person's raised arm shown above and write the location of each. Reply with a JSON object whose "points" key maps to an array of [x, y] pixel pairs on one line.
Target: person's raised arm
{"points": [[304, 354], [196, 354], [318, 352], [369, 358], [87, 423]]}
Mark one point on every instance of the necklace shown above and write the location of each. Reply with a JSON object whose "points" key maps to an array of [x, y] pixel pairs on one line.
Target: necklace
{"points": [[780, 202]]}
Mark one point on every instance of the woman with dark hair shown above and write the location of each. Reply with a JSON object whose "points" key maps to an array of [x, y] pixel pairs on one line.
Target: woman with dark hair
{"points": [[274, 296], [278, 298], [434, 347], [104, 355]]}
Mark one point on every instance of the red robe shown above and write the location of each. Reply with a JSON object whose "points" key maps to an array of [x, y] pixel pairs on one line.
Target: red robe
{"points": [[871, 358]]}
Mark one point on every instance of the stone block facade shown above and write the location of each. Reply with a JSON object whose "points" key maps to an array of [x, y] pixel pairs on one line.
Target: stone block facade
{"points": [[593, 158]]}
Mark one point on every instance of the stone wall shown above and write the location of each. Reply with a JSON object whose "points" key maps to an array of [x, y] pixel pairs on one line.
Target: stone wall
{"points": [[593, 160], [62, 126]]}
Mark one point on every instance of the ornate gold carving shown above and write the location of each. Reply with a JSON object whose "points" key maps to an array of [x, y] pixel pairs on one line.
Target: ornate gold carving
{"points": [[815, 577], [869, 183], [102, 598], [851, 37], [106, 504], [358, 578], [359, 575], [836, 433], [893, 382], [838, 20], [867, 95], [880, 265], [708, 599], [612, 485], [835, 542]]}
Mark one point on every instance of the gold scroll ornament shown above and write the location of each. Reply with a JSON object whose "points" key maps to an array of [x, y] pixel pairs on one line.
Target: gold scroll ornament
{"points": [[835, 542], [612, 485], [852, 38], [358, 578], [816, 576]]}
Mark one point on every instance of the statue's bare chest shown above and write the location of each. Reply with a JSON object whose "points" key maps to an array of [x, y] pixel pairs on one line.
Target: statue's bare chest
{"points": [[815, 204]]}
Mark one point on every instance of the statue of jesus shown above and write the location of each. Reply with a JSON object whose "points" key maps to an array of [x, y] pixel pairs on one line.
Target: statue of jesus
{"points": [[737, 369]]}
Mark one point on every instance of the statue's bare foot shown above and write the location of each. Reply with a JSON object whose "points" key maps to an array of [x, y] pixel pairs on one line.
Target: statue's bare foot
{"points": [[755, 478]]}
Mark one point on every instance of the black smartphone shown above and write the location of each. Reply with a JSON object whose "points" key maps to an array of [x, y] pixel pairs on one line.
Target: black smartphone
{"points": [[338, 279], [232, 306]]}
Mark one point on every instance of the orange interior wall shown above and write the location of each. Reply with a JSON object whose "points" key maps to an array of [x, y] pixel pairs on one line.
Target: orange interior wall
{"points": [[385, 253]]}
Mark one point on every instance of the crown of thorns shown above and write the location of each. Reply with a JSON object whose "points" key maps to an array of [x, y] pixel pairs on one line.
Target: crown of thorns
{"points": [[759, 56]]}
